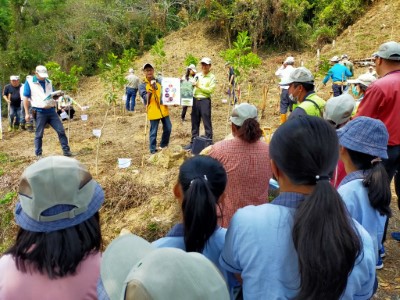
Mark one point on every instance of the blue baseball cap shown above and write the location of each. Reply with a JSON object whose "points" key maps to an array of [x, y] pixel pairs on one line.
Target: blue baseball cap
{"points": [[365, 135], [55, 193]]}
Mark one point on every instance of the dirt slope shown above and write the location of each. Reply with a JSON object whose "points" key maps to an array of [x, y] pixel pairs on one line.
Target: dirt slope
{"points": [[140, 198]]}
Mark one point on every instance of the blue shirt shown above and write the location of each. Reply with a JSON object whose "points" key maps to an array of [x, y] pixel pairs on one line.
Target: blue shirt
{"points": [[259, 245], [338, 72], [355, 196]]}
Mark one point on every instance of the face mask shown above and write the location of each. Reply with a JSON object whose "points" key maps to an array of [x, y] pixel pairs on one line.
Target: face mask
{"points": [[292, 98], [355, 91]]}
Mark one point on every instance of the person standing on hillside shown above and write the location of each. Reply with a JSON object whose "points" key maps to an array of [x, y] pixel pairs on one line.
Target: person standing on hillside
{"points": [[382, 101], [231, 82], [345, 62], [300, 85], [150, 91], [131, 90], [13, 98], [204, 87], [283, 73], [38, 89], [338, 73], [189, 77]]}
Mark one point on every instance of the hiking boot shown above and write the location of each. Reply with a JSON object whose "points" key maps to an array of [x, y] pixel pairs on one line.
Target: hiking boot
{"points": [[68, 153], [22, 127]]}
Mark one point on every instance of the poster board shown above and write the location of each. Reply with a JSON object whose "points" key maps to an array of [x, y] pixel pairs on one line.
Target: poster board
{"points": [[171, 91], [186, 93]]}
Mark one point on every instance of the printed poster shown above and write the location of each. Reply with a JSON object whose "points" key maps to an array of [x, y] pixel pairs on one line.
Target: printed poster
{"points": [[171, 91], [186, 93]]}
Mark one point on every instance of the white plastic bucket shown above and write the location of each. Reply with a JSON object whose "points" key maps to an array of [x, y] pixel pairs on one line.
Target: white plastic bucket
{"points": [[124, 163], [97, 132], [84, 117]]}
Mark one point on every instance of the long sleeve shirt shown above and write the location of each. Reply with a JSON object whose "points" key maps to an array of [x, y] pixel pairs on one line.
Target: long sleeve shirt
{"points": [[338, 73], [206, 86]]}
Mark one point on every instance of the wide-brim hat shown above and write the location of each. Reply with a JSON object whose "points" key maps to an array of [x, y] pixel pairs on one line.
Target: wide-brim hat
{"points": [[364, 79], [132, 269], [365, 135], [55, 193]]}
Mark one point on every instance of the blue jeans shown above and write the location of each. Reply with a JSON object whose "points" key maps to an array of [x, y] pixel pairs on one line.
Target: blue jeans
{"points": [[49, 116], [337, 90], [167, 127], [15, 113], [130, 98]]}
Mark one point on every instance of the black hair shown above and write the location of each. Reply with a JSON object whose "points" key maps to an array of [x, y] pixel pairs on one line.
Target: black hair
{"points": [[203, 180], [58, 253], [363, 87], [376, 181], [323, 233], [250, 131], [307, 86], [187, 74]]}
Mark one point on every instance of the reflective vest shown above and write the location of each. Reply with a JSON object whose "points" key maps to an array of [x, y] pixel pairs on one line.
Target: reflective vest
{"points": [[313, 105]]}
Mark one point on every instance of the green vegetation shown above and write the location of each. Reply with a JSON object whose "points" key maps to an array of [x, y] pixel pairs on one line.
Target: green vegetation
{"points": [[81, 32], [241, 57]]}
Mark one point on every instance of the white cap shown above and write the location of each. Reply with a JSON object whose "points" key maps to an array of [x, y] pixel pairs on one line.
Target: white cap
{"points": [[339, 109], [335, 59], [42, 71], [192, 67], [14, 77], [389, 50], [206, 60], [130, 70], [364, 79], [289, 60]]}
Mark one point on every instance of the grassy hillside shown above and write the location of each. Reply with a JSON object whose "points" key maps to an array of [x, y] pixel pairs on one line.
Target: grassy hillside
{"points": [[140, 198]]}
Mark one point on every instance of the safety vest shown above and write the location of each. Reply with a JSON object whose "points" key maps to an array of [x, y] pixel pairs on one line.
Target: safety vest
{"points": [[313, 105], [39, 97]]}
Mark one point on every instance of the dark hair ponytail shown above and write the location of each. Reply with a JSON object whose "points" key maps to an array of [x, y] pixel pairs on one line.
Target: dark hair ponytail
{"points": [[376, 181], [250, 131], [203, 180], [323, 234]]}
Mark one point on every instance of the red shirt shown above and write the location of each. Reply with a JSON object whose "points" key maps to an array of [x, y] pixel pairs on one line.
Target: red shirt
{"points": [[382, 101], [249, 171]]}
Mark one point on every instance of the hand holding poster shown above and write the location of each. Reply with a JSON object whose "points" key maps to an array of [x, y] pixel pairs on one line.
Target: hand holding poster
{"points": [[171, 91]]}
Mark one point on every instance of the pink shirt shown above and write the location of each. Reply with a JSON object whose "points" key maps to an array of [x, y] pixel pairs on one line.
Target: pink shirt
{"points": [[249, 171], [15, 285]]}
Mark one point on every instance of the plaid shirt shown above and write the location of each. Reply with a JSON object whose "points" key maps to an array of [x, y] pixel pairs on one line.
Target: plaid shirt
{"points": [[249, 171]]}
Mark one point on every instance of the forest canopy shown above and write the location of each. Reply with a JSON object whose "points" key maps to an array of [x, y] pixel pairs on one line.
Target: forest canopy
{"points": [[81, 32]]}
